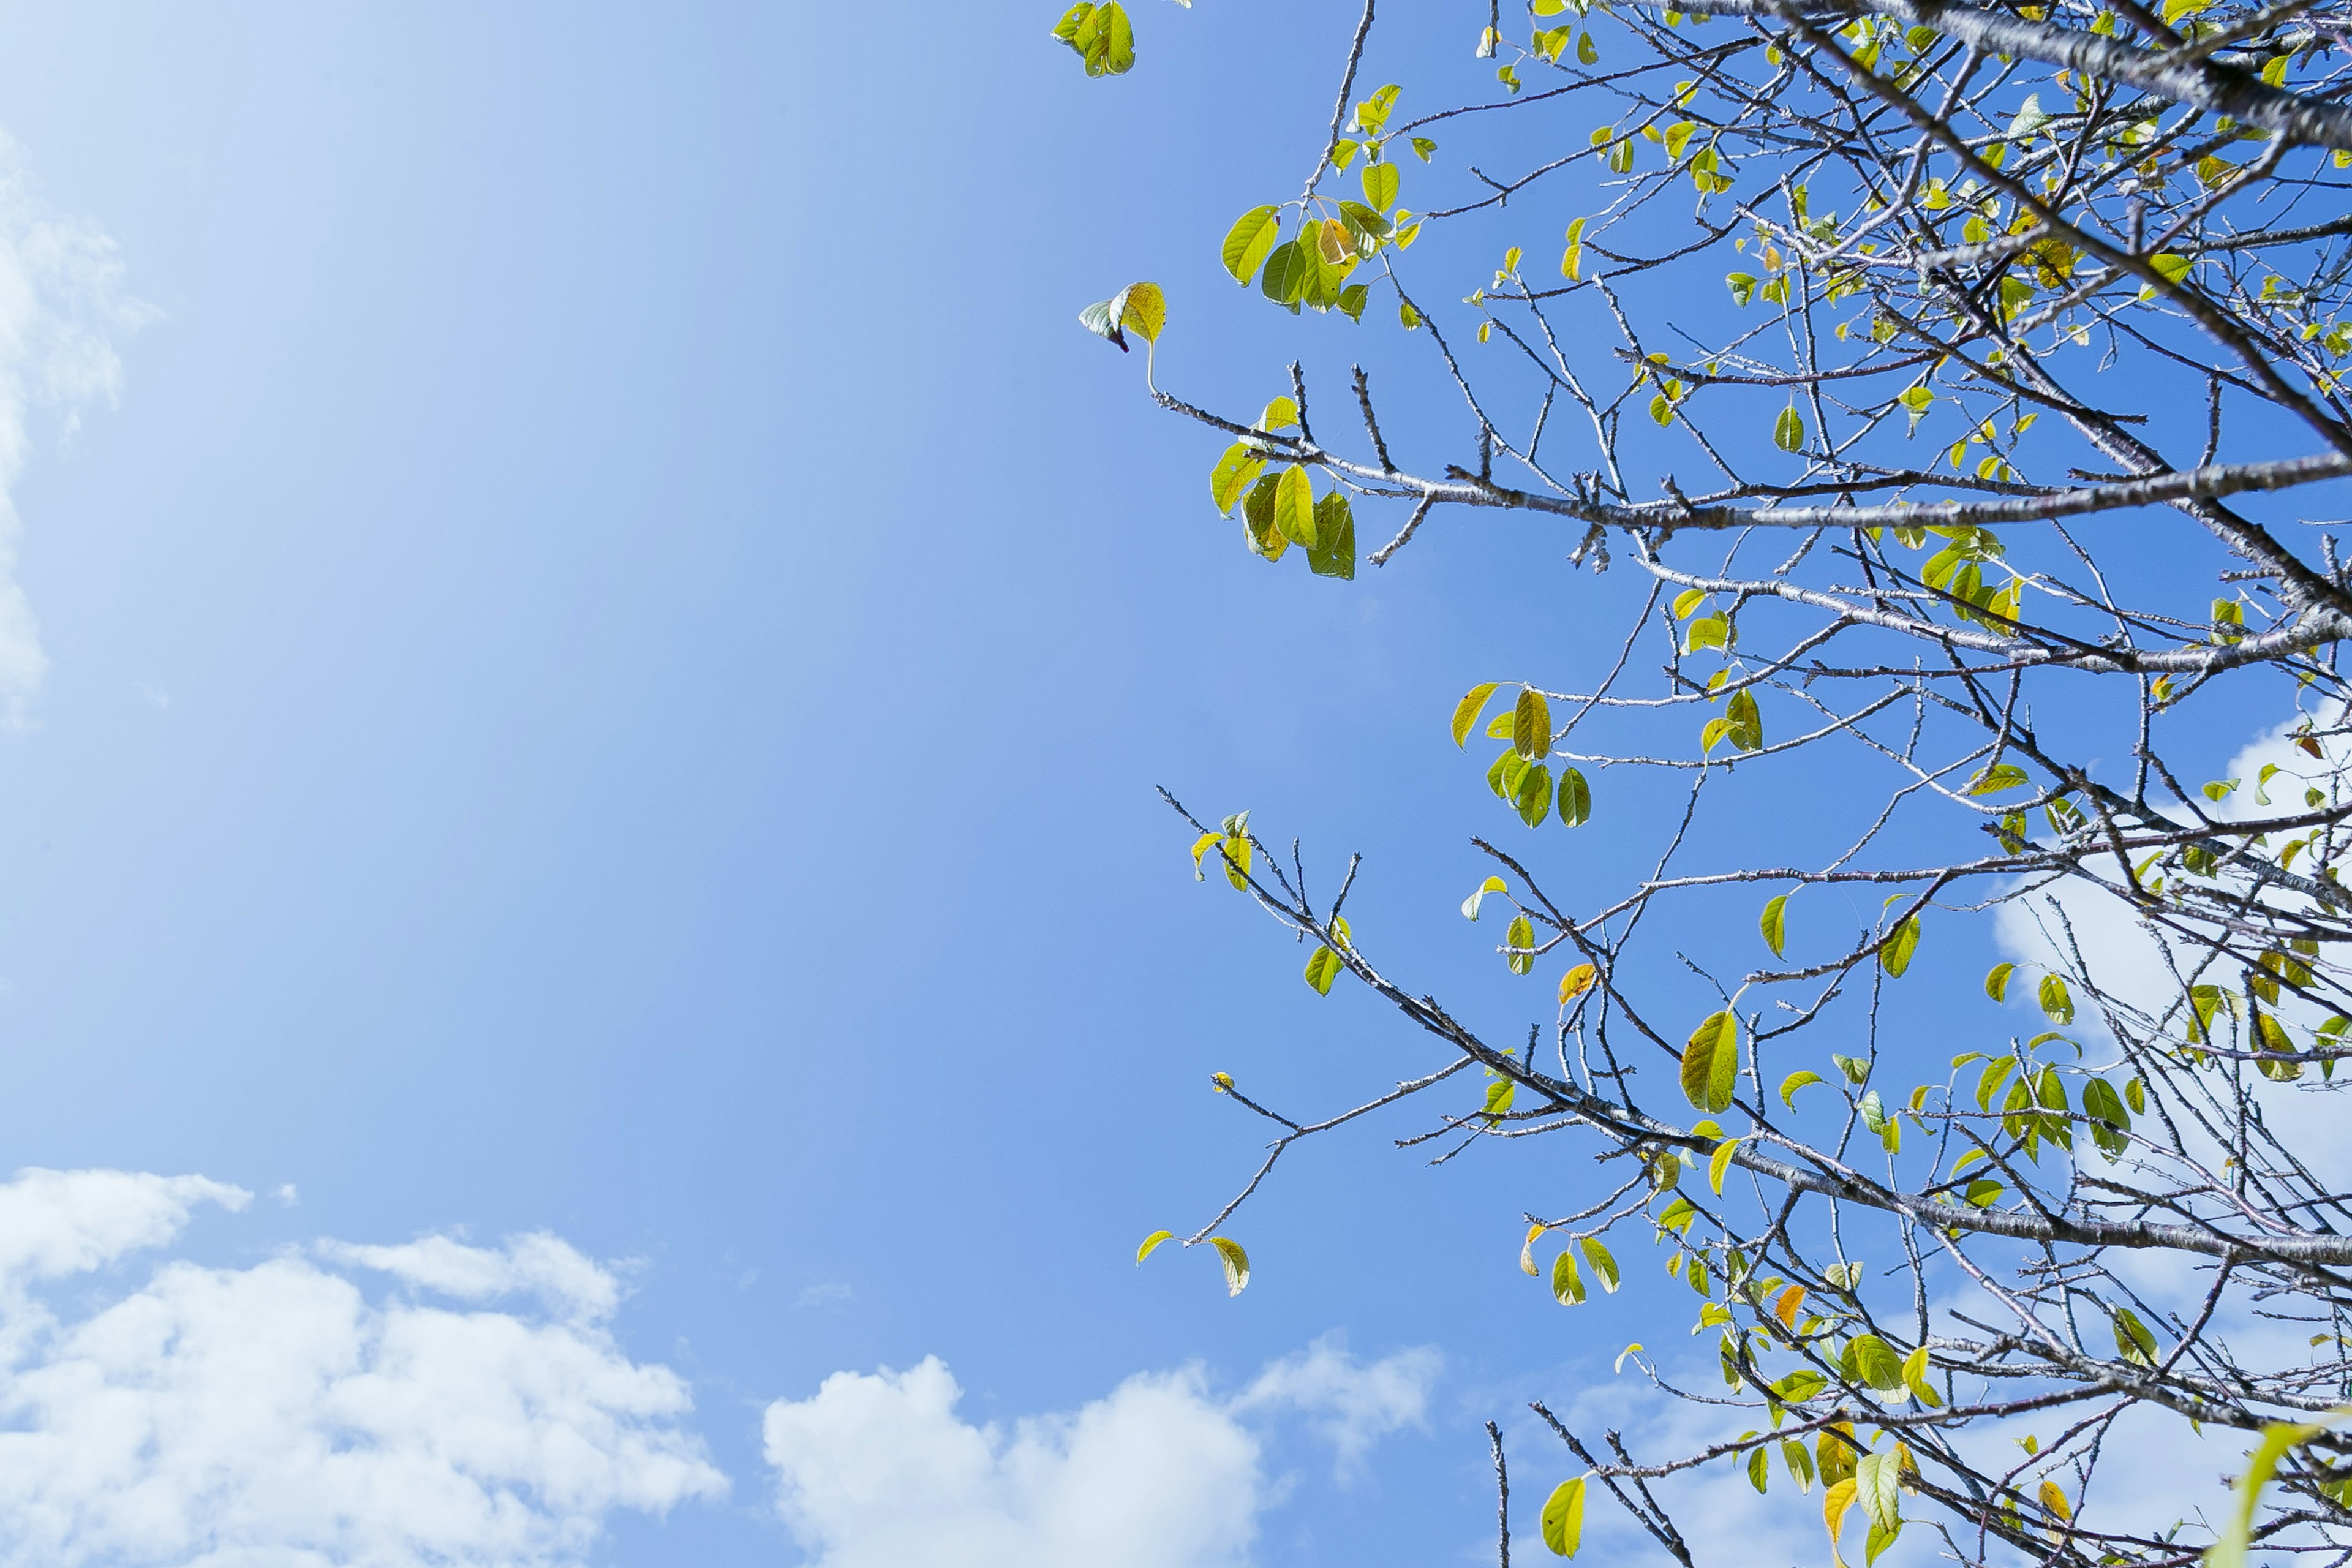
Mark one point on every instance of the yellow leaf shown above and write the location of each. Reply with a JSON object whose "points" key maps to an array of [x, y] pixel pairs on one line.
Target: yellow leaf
{"points": [[1151, 1243], [1528, 1249], [1575, 982], [1791, 1303], [1237, 1262], [1834, 1503], [1721, 1164], [2056, 1501]]}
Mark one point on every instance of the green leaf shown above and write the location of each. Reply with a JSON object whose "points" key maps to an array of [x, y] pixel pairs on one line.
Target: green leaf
{"points": [[1575, 799], [1499, 1094], [1532, 725], [1563, 1517], [1334, 552], [1294, 506], [1743, 287], [1234, 473], [1150, 1245], [2133, 1341], [1467, 711], [1247, 242], [1896, 956], [2057, 1002], [1422, 147], [1290, 268], [1774, 924], [1789, 430], [1795, 1081], [1258, 519], [1994, 780], [1587, 52], [1102, 35], [1742, 725], [1322, 969], [1870, 1360], [1237, 1262], [1567, 1284], [1604, 1267], [1532, 798], [1879, 1489], [1521, 939], [1711, 1062], [2229, 1550], [1996, 981], [1353, 300], [1380, 186]]}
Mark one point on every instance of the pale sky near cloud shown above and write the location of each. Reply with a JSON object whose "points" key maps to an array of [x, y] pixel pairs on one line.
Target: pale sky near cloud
{"points": [[878, 1470], [276, 1414]]}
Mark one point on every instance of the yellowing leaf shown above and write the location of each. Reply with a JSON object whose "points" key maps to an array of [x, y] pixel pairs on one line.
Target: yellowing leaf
{"points": [[1774, 923], [1717, 1166], [1294, 507], [1996, 981], [2054, 1501], [1564, 1516], [1567, 1284], [1380, 186], [1577, 982], [1711, 1062], [1790, 1303], [1237, 1262], [1467, 711], [1528, 1249], [1478, 896], [1143, 310], [1150, 1245], [1531, 726], [1795, 1081], [1604, 1267], [1835, 1504]]}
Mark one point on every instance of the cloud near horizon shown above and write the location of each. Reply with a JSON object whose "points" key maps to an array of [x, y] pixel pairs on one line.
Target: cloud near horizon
{"points": [[877, 1470], [312, 1409]]}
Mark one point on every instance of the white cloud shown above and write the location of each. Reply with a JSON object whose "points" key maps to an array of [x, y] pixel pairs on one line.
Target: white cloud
{"points": [[1349, 1405], [61, 308], [277, 1416], [878, 1471]]}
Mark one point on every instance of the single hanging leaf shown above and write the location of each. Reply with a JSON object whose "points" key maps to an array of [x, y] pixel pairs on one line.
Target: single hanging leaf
{"points": [[1789, 430], [1896, 956], [1467, 711], [1294, 507], [1567, 1284], [1258, 519], [1774, 924], [1531, 726], [1380, 186], [2057, 1004], [1719, 1165], [1575, 982], [1564, 1516], [1711, 1062], [1996, 981], [1237, 1262], [1234, 473], [1795, 1081], [1289, 267], [1248, 241], [1322, 969], [1150, 1245], [1604, 1267], [1470, 905], [1521, 939], [1334, 553], [1575, 799], [1143, 310]]}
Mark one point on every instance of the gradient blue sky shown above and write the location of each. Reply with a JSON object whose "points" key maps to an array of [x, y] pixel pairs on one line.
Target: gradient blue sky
{"points": [[608, 670]]}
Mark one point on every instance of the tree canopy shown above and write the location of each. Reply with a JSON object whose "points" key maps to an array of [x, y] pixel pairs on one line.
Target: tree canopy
{"points": [[1990, 351]]}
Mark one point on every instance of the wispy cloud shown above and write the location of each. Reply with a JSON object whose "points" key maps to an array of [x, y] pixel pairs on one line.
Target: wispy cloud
{"points": [[62, 310]]}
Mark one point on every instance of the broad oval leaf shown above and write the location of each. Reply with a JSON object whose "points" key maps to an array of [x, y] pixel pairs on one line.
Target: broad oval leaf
{"points": [[1567, 1284], [1774, 923], [1996, 981], [1381, 182], [1143, 310], [1234, 473], [1248, 241], [1575, 799], [1532, 725], [1604, 1266], [1563, 1514], [2057, 1002], [1577, 982], [1789, 430], [1322, 969], [1895, 957], [1294, 507], [1711, 1062], [1288, 271]]}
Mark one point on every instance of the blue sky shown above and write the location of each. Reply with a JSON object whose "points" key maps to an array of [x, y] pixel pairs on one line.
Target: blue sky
{"points": [[608, 654]]}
